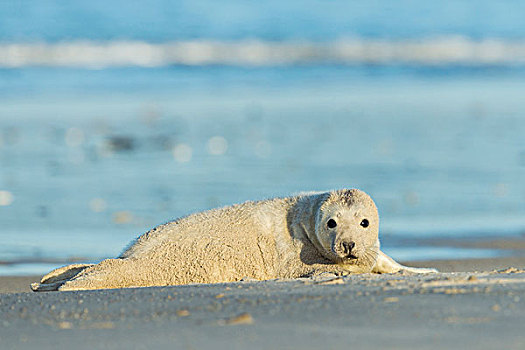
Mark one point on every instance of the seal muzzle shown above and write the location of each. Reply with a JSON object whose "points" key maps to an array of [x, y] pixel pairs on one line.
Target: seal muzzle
{"points": [[344, 248]]}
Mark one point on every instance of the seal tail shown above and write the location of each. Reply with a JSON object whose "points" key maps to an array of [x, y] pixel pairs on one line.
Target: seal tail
{"points": [[56, 278]]}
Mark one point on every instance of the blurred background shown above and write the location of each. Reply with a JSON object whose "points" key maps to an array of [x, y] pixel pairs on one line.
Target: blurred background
{"points": [[116, 116]]}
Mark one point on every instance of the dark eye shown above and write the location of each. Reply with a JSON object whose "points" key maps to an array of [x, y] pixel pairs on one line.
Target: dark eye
{"points": [[364, 223], [331, 223]]}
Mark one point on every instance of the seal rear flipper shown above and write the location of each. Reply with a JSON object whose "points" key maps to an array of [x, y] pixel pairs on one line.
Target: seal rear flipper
{"points": [[43, 287], [56, 278], [64, 273]]}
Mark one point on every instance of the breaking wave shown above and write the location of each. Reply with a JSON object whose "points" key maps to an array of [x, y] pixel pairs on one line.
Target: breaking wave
{"points": [[426, 52]]}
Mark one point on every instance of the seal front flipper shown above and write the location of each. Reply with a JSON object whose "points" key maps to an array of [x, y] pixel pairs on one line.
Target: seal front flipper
{"points": [[56, 278], [386, 264]]}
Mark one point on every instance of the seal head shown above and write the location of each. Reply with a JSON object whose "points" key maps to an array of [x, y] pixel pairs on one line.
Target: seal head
{"points": [[347, 228]]}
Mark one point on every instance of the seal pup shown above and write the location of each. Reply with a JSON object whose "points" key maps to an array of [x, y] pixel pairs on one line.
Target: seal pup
{"points": [[289, 237]]}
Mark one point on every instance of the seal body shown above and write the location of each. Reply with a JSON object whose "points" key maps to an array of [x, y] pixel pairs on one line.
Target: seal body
{"points": [[288, 237]]}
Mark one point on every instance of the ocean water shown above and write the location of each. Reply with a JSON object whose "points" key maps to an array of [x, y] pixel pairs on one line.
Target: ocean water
{"points": [[116, 117]]}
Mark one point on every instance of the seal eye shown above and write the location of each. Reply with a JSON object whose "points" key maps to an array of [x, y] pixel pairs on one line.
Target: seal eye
{"points": [[364, 223], [331, 223]]}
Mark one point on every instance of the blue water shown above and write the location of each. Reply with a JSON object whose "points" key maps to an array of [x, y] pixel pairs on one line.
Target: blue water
{"points": [[99, 148], [161, 20]]}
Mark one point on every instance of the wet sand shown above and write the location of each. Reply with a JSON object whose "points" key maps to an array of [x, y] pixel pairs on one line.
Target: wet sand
{"points": [[16, 284], [461, 309]]}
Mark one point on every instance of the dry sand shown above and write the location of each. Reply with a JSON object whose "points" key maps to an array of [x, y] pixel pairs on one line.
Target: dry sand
{"points": [[484, 310]]}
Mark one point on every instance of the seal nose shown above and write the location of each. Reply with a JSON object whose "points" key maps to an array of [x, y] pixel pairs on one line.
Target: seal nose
{"points": [[344, 248], [347, 248]]}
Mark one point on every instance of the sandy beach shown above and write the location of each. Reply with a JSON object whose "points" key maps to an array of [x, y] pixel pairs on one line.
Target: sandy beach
{"points": [[449, 309]]}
